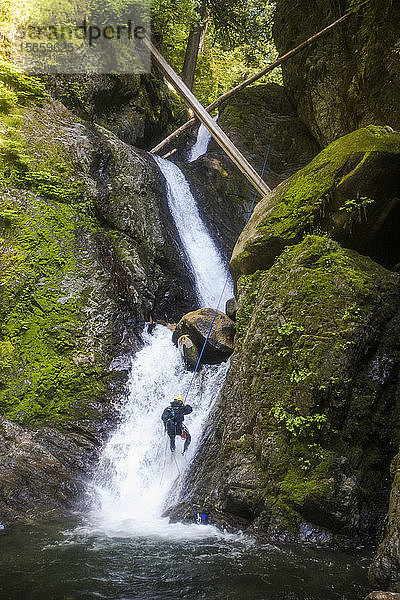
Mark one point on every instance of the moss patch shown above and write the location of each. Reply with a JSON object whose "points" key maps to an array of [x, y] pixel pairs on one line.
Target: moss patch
{"points": [[42, 323]]}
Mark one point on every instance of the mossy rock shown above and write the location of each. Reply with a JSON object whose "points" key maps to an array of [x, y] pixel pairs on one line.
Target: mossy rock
{"points": [[348, 78], [76, 263], [349, 190], [309, 403]]}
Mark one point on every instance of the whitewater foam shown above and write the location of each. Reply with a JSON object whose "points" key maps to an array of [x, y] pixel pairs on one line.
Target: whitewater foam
{"points": [[137, 478]]}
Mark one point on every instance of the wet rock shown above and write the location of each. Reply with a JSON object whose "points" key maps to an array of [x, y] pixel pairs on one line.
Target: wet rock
{"points": [[382, 596], [42, 472], [350, 190], [197, 324], [385, 568], [188, 350], [347, 79], [300, 444], [231, 308]]}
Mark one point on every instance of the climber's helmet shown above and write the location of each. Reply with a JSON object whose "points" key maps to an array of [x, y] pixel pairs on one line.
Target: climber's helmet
{"points": [[177, 401]]}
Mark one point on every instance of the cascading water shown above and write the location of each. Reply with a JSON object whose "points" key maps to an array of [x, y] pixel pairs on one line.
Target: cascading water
{"points": [[200, 146], [137, 475], [205, 261], [136, 470]]}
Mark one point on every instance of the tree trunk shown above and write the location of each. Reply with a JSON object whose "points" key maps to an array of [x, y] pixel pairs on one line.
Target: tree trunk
{"points": [[191, 55], [194, 45]]}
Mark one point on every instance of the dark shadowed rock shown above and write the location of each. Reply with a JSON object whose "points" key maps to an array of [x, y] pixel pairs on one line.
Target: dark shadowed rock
{"points": [[138, 109], [231, 308], [348, 78], [385, 568], [262, 123], [188, 350], [197, 325]]}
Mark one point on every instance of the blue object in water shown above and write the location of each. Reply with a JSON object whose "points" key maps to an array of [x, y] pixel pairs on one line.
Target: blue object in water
{"points": [[203, 518]]}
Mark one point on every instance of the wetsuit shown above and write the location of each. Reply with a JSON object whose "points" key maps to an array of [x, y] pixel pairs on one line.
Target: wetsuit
{"points": [[173, 417]]}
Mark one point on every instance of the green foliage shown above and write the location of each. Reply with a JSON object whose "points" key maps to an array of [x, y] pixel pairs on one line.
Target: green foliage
{"points": [[295, 423], [238, 42], [356, 204], [17, 88]]}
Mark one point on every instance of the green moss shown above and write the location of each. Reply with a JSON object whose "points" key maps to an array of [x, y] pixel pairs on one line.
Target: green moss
{"points": [[298, 205], [42, 326], [248, 288], [27, 165], [309, 188], [17, 88]]}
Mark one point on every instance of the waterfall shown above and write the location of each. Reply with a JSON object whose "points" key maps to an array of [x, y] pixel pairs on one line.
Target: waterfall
{"points": [[137, 477], [137, 474], [201, 144], [202, 254]]}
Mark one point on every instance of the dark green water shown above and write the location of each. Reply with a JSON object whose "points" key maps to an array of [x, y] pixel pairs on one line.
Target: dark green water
{"points": [[51, 563]]}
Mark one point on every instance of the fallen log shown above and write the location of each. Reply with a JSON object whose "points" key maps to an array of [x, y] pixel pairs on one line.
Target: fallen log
{"points": [[220, 136]]}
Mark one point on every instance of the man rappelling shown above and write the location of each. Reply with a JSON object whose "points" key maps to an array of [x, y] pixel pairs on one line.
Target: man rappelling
{"points": [[173, 417]]}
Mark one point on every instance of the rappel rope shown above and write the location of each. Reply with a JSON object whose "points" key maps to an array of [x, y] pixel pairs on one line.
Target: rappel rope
{"points": [[165, 461], [223, 289], [196, 514]]}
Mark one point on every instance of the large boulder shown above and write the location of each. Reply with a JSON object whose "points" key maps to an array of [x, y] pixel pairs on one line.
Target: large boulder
{"points": [[197, 325], [351, 190], [300, 446], [348, 78]]}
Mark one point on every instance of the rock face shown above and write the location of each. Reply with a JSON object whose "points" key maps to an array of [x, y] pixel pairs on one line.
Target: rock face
{"points": [[348, 78], [256, 119], [385, 569], [350, 190], [87, 253], [304, 432], [188, 351], [42, 471], [197, 325], [139, 109]]}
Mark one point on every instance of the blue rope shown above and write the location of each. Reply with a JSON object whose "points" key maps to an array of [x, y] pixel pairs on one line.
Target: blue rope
{"points": [[196, 514], [223, 289]]}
